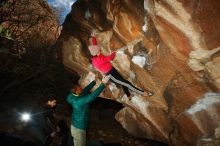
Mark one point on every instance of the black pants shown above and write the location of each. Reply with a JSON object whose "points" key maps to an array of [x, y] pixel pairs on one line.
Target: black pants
{"points": [[118, 79]]}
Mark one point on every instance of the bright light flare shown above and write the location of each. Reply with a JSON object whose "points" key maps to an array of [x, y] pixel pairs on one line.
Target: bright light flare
{"points": [[25, 117]]}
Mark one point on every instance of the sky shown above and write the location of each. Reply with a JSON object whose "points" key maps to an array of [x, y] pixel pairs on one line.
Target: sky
{"points": [[63, 4]]}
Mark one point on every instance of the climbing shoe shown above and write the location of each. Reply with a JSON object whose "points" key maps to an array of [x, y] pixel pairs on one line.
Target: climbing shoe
{"points": [[148, 93]]}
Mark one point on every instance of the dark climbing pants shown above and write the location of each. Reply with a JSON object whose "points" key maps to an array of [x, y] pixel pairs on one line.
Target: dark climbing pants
{"points": [[118, 79]]}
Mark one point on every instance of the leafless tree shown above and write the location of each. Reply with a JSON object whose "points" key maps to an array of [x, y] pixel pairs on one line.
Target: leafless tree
{"points": [[33, 25]]}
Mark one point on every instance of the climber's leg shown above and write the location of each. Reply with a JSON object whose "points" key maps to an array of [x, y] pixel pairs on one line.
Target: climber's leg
{"points": [[117, 78], [125, 89]]}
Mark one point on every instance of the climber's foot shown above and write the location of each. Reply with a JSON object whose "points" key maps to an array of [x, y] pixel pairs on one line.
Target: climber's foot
{"points": [[148, 93]]}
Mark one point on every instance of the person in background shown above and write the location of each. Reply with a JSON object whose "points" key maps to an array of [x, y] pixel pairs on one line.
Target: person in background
{"points": [[103, 64], [49, 117], [79, 100], [50, 121]]}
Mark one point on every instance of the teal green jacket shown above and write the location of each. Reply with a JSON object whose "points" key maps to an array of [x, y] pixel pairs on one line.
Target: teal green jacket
{"points": [[80, 104]]}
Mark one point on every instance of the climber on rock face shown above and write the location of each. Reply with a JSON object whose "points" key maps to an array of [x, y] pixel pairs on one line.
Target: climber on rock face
{"points": [[103, 64]]}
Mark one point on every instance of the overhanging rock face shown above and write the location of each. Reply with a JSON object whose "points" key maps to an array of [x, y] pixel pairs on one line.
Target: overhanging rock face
{"points": [[182, 69]]}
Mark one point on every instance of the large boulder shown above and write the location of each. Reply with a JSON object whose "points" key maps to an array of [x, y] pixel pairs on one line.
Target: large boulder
{"points": [[182, 68]]}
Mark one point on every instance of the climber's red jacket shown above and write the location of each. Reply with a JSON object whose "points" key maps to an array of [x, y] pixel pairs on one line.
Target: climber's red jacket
{"points": [[103, 63]]}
